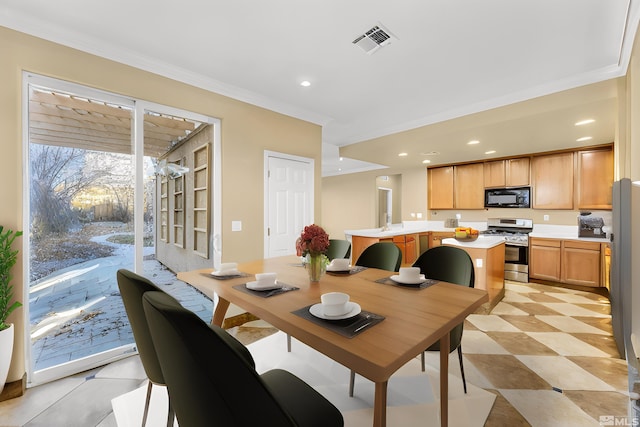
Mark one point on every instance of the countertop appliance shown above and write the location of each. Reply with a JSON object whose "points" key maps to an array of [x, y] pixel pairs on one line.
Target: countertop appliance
{"points": [[516, 235], [590, 226], [516, 197]]}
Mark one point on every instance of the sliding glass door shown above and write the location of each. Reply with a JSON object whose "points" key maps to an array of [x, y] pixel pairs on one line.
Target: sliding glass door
{"points": [[94, 206]]}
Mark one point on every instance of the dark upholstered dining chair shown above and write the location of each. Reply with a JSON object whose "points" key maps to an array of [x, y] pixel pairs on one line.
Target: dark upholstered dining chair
{"points": [[213, 381], [382, 255], [132, 287], [338, 249], [453, 265]]}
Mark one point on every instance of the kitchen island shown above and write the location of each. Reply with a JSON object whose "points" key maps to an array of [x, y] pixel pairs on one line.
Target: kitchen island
{"points": [[411, 237], [487, 254]]}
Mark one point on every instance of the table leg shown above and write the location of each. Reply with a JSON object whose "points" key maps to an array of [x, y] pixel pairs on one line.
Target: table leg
{"points": [[219, 312], [444, 380], [380, 405]]}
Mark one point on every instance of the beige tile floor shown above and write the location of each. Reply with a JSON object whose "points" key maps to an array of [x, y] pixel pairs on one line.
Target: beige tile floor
{"points": [[546, 352]]}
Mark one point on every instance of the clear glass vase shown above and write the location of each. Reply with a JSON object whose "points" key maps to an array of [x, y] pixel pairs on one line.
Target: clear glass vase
{"points": [[316, 267]]}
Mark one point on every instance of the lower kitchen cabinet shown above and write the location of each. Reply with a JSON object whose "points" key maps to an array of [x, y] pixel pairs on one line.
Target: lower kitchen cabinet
{"points": [[544, 259], [572, 262], [437, 236], [581, 262], [407, 245]]}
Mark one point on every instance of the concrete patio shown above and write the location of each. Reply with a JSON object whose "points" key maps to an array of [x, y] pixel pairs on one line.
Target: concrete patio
{"points": [[78, 311]]}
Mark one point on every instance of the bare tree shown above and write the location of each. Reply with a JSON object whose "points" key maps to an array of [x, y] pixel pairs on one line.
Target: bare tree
{"points": [[57, 175]]}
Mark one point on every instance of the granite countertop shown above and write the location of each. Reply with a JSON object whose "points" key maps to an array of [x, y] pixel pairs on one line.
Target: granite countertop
{"points": [[482, 242]]}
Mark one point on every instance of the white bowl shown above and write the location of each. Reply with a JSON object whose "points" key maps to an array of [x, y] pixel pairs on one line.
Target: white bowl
{"points": [[409, 273], [266, 278], [334, 303], [339, 264]]}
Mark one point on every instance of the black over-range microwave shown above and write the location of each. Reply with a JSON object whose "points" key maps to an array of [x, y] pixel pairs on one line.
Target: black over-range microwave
{"points": [[517, 197]]}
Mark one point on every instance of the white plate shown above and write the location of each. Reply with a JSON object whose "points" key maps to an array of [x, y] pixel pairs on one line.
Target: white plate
{"points": [[339, 270], [336, 269], [317, 311], [255, 286], [225, 273], [396, 279]]}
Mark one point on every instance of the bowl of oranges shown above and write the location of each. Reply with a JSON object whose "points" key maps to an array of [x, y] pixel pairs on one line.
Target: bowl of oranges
{"points": [[466, 234]]}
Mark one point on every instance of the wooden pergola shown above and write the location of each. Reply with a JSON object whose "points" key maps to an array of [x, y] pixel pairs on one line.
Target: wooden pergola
{"points": [[62, 120]]}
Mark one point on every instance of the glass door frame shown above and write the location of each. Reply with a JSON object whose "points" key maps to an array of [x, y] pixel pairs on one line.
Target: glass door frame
{"points": [[138, 108]]}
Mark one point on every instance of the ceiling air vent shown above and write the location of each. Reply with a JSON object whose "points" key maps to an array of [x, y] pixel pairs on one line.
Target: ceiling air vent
{"points": [[374, 39]]}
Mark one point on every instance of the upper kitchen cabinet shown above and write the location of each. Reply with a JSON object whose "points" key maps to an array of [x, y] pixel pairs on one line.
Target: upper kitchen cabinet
{"points": [[440, 184], [552, 181], [595, 179], [469, 186], [507, 173]]}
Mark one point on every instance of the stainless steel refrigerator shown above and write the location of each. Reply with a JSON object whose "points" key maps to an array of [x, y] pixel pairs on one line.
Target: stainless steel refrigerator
{"points": [[625, 275]]}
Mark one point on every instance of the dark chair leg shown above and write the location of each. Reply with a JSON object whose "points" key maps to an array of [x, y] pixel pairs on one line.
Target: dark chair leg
{"points": [[464, 381], [352, 381], [422, 360], [172, 414], [288, 343], [146, 404]]}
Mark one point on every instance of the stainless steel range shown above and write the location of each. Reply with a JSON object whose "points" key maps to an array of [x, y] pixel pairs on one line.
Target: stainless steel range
{"points": [[516, 235]]}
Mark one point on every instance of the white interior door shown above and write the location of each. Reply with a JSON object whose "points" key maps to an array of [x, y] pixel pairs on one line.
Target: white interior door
{"points": [[289, 200]]}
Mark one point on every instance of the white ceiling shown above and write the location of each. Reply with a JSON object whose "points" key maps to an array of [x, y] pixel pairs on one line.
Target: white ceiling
{"points": [[448, 61]]}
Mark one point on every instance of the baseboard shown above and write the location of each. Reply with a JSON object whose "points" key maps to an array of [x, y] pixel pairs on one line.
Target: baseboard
{"points": [[14, 389]]}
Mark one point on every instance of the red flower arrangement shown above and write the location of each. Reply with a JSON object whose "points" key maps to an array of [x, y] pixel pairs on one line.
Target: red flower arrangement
{"points": [[313, 241]]}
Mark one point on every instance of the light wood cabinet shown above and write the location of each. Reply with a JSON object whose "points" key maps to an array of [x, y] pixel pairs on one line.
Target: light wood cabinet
{"points": [[507, 173], [594, 179], [518, 172], [435, 238], [544, 259], [495, 174], [440, 185], [469, 186], [581, 263], [407, 245], [566, 261], [552, 181]]}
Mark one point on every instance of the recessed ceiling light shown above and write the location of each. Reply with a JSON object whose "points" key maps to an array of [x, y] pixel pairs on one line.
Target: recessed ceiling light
{"points": [[305, 83], [584, 138], [490, 152], [403, 154], [426, 161], [584, 122], [474, 142]]}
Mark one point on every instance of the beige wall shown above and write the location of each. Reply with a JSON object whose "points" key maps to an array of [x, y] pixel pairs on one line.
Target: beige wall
{"points": [[632, 124], [350, 202], [246, 132]]}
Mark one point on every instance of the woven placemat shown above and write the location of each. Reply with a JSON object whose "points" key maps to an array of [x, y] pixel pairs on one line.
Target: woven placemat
{"points": [[347, 327]]}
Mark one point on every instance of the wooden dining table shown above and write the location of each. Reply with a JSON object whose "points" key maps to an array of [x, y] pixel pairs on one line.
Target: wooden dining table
{"points": [[415, 317]]}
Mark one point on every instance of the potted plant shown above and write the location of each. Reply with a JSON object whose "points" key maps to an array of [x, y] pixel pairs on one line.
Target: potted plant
{"points": [[7, 261]]}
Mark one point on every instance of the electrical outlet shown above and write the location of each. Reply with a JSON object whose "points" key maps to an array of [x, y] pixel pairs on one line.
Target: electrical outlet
{"points": [[236, 225], [546, 217], [458, 216]]}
